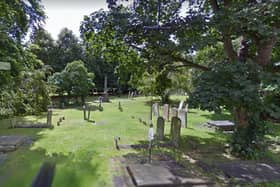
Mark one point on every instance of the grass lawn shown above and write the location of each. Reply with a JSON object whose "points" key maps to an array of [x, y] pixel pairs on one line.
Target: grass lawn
{"points": [[83, 151]]}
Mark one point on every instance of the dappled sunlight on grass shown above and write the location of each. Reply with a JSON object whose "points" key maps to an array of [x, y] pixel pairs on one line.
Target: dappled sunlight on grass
{"points": [[83, 150]]}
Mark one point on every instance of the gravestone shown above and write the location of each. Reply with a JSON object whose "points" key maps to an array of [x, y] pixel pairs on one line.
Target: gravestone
{"points": [[166, 112], [182, 117], [49, 117], [224, 125], [100, 99], [152, 175], [175, 131], [181, 105], [160, 128], [156, 109], [174, 112]]}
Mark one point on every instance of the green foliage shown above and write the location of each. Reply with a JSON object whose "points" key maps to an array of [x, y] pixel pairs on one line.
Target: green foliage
{"points": [[181, 80], [249, 142], [17, 17], [271, 89], [6, 104], [44, 47], [228, 85], [23, 89], [74, 79], [106, 51], [153, 84], [146, 85], [235, 87]]}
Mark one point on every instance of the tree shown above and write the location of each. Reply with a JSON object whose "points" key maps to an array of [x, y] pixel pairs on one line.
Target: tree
{"points": [[17, 19], [43, 46], [74, 80], [67, 49], [106, 52], [248, 32]]}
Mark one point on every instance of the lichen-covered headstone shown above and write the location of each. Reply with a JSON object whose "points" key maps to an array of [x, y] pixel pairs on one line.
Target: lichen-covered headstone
{"points": [[49, 117], [175, 131], [160, 128], [166, 112]]}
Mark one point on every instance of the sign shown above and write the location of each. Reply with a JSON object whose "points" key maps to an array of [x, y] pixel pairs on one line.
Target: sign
{"points": [[5, 66]]}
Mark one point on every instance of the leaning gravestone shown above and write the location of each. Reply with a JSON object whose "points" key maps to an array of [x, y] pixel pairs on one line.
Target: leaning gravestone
{"points": [[166, 112], [181, 105], [160, 128], [175, 131], [49, 117]]}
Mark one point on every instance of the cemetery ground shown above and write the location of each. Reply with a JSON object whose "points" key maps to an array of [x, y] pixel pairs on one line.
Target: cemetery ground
{"points": [[85, 153]]}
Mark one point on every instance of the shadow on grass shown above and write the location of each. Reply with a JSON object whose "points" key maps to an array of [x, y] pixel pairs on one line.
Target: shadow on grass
{"points": [[22, 167], [197, 155]]}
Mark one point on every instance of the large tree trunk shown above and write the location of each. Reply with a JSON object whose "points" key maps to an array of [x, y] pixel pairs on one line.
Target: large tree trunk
{"points": [[265, 51], [228, 47], [241, 117]]}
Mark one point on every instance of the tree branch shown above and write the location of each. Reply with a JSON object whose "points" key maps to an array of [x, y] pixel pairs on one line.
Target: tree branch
{"points": [[187, 63]]}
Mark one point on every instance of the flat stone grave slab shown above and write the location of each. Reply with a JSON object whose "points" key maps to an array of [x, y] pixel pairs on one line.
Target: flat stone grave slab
{"points": [[249, 172], [10, 143], [223, 125], [39, 125], [144, 175], [11, 140]]}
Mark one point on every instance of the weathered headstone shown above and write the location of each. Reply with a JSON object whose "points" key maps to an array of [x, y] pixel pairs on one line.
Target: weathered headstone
{"points": [[166, 112], [160, 128], [49, 117], [156, 109], [175, 131], [174, 112], [182, 117]]}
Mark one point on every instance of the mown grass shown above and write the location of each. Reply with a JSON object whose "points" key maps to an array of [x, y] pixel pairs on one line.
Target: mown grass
{"points": [[83, 149]]}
